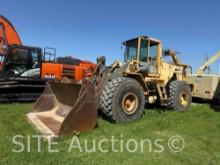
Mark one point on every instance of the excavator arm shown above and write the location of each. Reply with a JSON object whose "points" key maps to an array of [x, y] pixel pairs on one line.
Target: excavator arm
{"points": [[204, 66], [8, 35]]}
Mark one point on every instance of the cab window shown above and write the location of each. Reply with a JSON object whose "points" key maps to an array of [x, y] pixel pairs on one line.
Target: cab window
{"points": [[17, 61], [153, 50], [35, 59], [144, 50], [1, 58], [131, 50]]}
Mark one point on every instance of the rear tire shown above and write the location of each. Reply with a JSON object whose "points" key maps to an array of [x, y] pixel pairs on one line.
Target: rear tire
{"points": [[180, 97], [122, 100]]}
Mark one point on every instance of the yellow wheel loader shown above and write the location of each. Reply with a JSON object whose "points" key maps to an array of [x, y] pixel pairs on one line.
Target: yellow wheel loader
{"points": [[149, 74]]}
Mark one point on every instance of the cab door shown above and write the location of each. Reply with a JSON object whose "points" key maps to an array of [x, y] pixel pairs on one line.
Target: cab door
{"points": [[16, 62], [34, 64], [149, 56]]}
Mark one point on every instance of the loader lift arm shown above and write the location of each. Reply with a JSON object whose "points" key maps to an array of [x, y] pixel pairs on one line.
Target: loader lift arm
{"points": [[173, 54], [204, 66]]}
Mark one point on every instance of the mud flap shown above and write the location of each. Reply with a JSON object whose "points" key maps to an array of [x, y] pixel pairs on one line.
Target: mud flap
{"points": [[64, 108]]}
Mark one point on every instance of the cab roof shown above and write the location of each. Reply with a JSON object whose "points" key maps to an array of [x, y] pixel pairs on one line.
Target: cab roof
{"points": [[144, 37]]}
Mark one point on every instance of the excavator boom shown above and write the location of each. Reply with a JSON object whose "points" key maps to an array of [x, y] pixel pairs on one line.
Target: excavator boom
{"points": [[8, 35], [204, 66]]}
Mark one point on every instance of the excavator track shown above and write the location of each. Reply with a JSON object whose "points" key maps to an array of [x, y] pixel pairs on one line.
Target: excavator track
{"points": [[20, 90]]}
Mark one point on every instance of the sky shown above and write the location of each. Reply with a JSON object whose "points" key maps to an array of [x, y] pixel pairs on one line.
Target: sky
{"points": [[86, 29]]}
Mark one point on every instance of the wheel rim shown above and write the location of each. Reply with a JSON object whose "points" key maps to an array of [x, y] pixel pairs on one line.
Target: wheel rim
{"points": [[130, 103], [184, 99]]}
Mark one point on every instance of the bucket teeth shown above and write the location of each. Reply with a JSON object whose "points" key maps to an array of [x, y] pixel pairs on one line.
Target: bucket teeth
{"points": [[64, 108]]}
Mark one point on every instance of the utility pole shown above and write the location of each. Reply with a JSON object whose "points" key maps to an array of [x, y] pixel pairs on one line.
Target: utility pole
{"points": [[206, 59]]}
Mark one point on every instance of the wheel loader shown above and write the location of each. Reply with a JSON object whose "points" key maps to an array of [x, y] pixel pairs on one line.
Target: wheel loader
{"points": [[148, 74]]}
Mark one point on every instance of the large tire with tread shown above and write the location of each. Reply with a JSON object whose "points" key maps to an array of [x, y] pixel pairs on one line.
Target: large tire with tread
{"points": [[180, 97], [122, 100]]}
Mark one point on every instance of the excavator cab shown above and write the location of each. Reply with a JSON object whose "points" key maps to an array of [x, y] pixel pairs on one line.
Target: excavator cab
{"points": [[20, 69], [22, 62]]}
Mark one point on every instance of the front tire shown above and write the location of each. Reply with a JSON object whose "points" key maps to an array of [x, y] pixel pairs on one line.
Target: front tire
{"points": [[180, 97], [122, 100]]}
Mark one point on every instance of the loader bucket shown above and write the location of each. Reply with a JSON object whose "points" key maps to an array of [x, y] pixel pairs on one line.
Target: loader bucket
{"points": [[64, 108]]}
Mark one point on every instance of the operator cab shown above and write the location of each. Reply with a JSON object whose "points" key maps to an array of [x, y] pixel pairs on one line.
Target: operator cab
{"points": [[22, 61], [147, 51]]}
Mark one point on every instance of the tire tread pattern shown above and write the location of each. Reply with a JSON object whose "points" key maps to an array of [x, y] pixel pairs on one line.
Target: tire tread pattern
{"points": [[107, 96]]}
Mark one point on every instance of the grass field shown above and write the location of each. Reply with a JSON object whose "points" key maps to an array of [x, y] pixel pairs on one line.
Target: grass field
{"points": [[200, 129]]}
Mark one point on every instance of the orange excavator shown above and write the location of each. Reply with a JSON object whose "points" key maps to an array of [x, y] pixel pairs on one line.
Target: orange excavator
{"points": [[25, 70]]}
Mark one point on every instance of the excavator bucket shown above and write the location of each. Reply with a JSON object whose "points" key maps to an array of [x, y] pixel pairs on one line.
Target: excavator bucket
{"points": [[64, 109]]}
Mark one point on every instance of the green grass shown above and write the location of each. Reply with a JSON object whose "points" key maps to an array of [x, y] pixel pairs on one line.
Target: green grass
{"points": [[200, 128]]}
